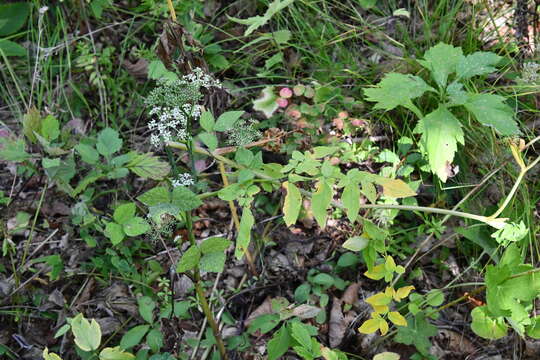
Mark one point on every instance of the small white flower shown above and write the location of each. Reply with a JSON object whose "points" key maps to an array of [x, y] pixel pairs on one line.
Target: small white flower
{"points": [[184, 179]]}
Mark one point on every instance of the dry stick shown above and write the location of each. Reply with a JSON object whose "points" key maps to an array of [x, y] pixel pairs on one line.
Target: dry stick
{"points": [[249, 257]]}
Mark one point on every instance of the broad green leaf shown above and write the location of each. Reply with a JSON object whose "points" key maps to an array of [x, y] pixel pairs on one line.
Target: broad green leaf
{"points": [[31, 124], [490, 110], [292, 203], [213, 262], [115, 353], [154, 339], [124, 212], [244, 234], [441, 134], [209, 139], [279, 344], [256, 22], [50, 356], [50, 128], [267, 102], [13, 16], [397, 89], [534, 330], [244, 157], [435, 297], [478, 63], [155, 196], [264, 323], [487, 327], [134, 336], [351, 200], [13, 150], [356, 243], [189, 260], [185, 199], [114, 232], [87, 334], [323, 279], [11, 48], [136, 226], [301, 334], [386, 356], [146, 308], [215, 244], [88, 153], [417, 333], [149, 166], [227, 120], [320, 201], [442, 60], [207, 121], [108, 142], [157, 71]]}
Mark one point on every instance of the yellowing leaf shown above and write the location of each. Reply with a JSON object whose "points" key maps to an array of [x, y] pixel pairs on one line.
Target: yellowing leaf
{"points": [[369, 326], [379, 299], [397, 318], [115, 353], [383, 326], [386, 356], [377, 273], [50, 356], [320, 201], [292, 203], [403, 292], [395, 188], [380, 309], [87, 334]]}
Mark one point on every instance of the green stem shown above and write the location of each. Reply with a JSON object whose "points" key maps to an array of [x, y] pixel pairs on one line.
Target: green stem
{"points": [[337, 204]]}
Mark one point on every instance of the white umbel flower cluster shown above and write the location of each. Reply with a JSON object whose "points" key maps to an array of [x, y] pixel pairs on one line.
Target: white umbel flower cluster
{"points": [[184, 179], [172, 103]]}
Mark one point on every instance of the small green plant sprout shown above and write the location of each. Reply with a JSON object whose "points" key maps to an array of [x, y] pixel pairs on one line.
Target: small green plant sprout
{"points": [[441, 130], [87, 337]]}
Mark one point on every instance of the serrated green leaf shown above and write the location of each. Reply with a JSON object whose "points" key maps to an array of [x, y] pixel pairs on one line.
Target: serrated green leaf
{"points": [[395, 90], [134, 336], [487, 327], [50, 128], [213, 262], [13, 150], [154, 339], [108, 142], [227, 120], [146, 308], [189, 260], [279, 344], [351, 200], [320, 201], [124, 212], [490, 110], [442, 60], [185, 199], [207, 121], [155, 196], [149, 166], [136, 226], [441, 134], [209, 139], [87, 334], [244, 233], [114, 232], [215, 244], [115, 353], [300, 334], [88, 153], [292, 203], [478, 63]]}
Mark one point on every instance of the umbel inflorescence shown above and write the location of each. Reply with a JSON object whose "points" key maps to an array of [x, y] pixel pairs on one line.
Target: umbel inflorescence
{"points": [[172, 103]]}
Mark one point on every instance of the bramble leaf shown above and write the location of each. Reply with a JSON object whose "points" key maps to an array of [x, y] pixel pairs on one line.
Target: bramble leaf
{"points": [[490, 110], [397, 89], [149, 166], [108, 142], [441, 131]]}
